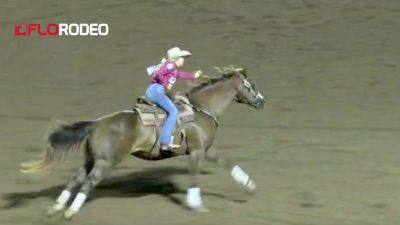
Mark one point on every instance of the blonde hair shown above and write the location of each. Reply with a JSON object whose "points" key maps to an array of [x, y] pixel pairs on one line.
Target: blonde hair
{"points": [[163, 60]]}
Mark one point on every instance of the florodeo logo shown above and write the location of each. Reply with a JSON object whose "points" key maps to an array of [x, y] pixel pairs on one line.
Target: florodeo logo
{"points": [[61, 29]]}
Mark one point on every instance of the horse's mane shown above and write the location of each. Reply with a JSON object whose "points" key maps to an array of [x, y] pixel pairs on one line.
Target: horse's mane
{"points": [[225, 73]]}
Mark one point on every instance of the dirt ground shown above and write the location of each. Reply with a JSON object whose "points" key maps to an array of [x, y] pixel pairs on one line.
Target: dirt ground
{"points": [[323, 151]]}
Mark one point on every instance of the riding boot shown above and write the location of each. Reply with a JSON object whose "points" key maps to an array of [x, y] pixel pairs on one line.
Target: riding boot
{"points": [[172, 145], [166, 150]]}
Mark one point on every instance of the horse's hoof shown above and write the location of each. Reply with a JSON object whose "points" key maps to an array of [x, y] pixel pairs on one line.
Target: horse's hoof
{"points": [[198, 208], [250, 186], [201, 209], [53, 210], [68, 214]]}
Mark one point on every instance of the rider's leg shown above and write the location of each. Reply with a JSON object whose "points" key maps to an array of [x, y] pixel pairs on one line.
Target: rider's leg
{"points": [[172, 116], [156, 93]]}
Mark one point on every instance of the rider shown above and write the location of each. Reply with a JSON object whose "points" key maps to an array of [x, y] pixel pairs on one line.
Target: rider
{"points": [[163, 79]]}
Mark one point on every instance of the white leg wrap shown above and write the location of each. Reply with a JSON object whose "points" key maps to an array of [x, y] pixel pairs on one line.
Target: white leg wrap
{"points": [[193, 197], [239, 175], [78, 202], [62, 199]]}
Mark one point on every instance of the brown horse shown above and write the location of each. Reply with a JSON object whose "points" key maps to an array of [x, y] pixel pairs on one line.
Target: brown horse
{"points": [[110, 139]]}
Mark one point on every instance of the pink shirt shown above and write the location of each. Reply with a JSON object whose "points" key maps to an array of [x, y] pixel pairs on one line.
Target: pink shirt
{"points": [[168, 73]]}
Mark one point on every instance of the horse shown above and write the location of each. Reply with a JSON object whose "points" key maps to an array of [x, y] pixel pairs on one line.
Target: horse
{"points": [[110, 139]]}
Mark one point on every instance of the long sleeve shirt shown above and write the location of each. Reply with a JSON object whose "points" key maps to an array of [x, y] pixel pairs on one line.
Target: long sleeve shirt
{"points": [[167, 74]]}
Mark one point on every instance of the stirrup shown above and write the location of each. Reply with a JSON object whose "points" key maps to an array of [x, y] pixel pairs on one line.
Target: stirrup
{"points": [[169, 147], [175, 146], [165, 147]]}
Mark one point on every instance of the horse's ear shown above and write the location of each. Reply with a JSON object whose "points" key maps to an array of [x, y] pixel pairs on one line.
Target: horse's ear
{"points": [[218, 69], [242, 70], [230, 70]]}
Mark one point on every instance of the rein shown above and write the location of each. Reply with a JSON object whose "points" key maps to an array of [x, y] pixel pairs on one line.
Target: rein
{"points": [[214, 118]]}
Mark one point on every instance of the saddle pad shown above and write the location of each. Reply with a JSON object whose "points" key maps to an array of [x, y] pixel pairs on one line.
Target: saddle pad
{"points": [[148, 115], [151, 115]]}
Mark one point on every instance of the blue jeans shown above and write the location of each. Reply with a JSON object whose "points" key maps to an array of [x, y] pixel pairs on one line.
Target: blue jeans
{"points": [[156, 93]]}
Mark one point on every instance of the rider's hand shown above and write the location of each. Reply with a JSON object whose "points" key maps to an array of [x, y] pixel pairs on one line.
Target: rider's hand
{"points": [[197, 73], [169, 87]]}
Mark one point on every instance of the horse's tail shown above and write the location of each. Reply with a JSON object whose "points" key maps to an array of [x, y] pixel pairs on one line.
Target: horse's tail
{"points": [[62, 140]]}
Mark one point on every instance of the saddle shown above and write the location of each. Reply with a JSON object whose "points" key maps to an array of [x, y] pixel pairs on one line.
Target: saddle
{"points": [[152, 115]]}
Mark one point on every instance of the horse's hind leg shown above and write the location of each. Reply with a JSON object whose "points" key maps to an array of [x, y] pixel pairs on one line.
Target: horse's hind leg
{"points": [[76, 180], [101, 167], [240, 177]]}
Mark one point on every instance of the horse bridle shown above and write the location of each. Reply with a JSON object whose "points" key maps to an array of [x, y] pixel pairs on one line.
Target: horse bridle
{"points": [[246, 83]]}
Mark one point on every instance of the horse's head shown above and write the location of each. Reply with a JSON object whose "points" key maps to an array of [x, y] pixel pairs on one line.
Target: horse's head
{"points": [[246, 91]]}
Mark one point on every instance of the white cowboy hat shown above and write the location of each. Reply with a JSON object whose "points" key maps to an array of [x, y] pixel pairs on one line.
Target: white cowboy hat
{"points": [[176, 52]]}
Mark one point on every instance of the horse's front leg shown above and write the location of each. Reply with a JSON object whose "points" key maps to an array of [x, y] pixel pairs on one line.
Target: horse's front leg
{"points": [[193, 196], [237, 173]]}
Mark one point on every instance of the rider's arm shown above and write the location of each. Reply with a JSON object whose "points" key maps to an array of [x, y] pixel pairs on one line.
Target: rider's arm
{"points": [[185, 75], [160, 76]]}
